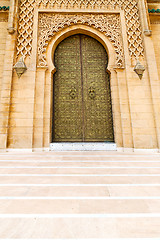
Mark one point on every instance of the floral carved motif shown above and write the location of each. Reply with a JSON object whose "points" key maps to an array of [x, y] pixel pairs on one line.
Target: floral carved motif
{"points": [[50, 24], [130, 7]]}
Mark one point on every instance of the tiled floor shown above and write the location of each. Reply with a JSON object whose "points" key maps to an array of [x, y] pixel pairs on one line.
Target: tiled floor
{"points": [[80, 195]]}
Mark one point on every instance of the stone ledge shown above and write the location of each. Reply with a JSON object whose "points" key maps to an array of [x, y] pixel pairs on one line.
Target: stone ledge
{"points": [[85, 146]]}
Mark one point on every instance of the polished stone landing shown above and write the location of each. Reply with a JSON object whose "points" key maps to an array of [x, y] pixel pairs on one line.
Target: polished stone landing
{"points": [[80, 195], [84, 146]]}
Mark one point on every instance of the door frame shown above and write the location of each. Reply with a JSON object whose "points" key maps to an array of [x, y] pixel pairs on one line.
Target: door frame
{"points": [[51, 69]]}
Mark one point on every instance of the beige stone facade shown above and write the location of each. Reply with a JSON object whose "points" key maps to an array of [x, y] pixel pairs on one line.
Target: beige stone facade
{"points": [[32, 29]]}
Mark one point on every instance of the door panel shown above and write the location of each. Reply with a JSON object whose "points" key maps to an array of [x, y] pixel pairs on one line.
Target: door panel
{"points": [[97, 99], [67, 91], [82, 101]]}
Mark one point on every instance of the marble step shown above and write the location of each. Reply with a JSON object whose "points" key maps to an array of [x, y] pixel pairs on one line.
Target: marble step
{"points": [[80, 227], [83, 179], [89, 239], [79, 191], [79, 195], [78, 156], [83, 146], [79, 170], [67, 164], [77, 205]]}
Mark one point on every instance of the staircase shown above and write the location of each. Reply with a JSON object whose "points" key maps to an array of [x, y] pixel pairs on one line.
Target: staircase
{"points": [[80, 195]]}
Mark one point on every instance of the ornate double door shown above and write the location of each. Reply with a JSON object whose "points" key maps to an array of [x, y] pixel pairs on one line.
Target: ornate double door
{"points": [[82, 110]]}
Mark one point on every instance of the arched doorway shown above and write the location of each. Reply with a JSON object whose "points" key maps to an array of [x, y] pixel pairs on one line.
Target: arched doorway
{"points": [[82, 110]]}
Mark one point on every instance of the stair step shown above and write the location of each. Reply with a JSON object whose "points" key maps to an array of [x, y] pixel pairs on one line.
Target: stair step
{"points": [[80, 170], [77, 205], [79, 191], [82, 164], [80, 227], [80, 179], [79, 196]]}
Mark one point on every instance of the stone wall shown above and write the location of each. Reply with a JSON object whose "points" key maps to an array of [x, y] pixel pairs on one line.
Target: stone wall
{"points": [[26, 102], [3, 35], [155, 27], [155, 38]]}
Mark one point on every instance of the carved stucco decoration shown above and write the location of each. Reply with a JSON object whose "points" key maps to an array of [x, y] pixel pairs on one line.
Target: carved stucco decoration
{"points": [[130, 7], [50, 24], [3, 19]]}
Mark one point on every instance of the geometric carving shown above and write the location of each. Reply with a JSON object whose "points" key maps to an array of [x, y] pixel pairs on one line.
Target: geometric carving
{"points": [[131, 12], [135, 41], [109, 24], [25, 29]]}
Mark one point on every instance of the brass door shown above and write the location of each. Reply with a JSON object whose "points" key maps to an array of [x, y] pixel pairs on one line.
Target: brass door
{"points": [[81, 94]]}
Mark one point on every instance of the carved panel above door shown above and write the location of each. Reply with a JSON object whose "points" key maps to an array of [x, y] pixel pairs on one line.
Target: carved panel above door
{"points": [[109, 24], [130, 8]]}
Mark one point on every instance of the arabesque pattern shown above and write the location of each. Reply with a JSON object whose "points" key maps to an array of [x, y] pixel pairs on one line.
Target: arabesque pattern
{"points": [[50, 24], [25, 31]]}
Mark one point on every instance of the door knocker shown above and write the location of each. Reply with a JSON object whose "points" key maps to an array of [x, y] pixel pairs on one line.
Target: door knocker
{"points": [[91, 93], [73, 93]]}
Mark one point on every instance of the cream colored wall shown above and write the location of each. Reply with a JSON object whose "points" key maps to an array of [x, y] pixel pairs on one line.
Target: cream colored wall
{"points": [[155, 38], [155, 27], [5, 88], [3, 35], [142, 114], [21, 112], [135, 102]]}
